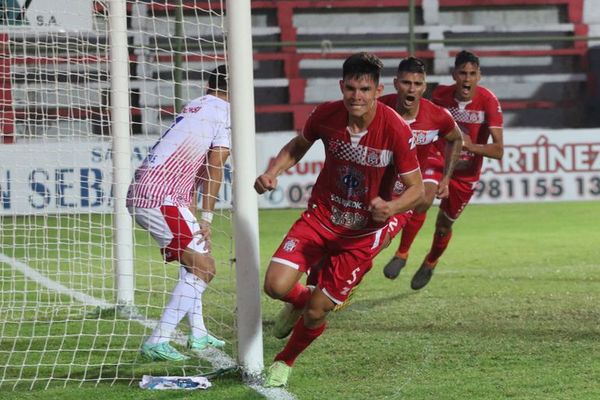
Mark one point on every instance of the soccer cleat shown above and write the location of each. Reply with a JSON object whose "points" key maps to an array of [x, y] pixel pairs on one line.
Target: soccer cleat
{"points": [[394, 266], [423, 275], [287, 318], [277, 375], [200, 343], [161, 352]]}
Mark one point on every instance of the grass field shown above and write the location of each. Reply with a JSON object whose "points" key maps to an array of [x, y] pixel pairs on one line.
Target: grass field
{"points": [[511, 313]]}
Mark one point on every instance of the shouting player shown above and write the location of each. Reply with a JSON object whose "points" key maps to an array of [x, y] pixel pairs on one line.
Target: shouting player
{"points": [[429, 123], [479, 116]]}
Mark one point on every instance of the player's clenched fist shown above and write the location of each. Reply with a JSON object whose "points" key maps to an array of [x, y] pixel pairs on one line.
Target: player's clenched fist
{"points": [[380, 209], [265, 182]]}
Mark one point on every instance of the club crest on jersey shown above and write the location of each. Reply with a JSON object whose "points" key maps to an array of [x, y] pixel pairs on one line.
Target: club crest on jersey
{"points": [[425, 137], [290, 245], [399, 187], [373, 157]]}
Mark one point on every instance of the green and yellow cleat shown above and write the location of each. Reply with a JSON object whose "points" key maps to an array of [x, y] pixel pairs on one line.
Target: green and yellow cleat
{"points": [[278, 375]]}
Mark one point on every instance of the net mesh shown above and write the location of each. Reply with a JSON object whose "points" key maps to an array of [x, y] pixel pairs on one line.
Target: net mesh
{"points": [[58, 320]]}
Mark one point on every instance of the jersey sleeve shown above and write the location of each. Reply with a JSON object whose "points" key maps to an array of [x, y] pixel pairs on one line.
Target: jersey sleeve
{"points": [[446, 122], [405, 151], [493, 112], [222, 137], [309, 132]]}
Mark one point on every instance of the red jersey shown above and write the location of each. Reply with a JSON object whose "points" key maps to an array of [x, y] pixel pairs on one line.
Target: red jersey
{"points": [[431, 123], [474, 118], [357, 167]]}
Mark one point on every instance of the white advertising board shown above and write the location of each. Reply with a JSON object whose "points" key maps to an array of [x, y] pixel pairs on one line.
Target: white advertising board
{"points": [[47, 15], [538, 165], [72, 177]]}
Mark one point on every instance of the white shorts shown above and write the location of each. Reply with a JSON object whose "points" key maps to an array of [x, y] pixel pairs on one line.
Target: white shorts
{"points": [[174, 229]]}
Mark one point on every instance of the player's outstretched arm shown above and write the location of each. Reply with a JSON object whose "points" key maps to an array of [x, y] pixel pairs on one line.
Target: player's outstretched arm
{"points": [[454, 145], [288, 156], [491, 150]]}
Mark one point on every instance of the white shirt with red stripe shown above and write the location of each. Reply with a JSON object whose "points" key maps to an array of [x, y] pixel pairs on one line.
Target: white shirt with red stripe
{"points": [[170, 172]]}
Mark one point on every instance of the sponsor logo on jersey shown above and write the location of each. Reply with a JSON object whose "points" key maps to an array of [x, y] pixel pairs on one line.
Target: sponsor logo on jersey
{"points": [[351, 181], [347, 203], [191, 110], [347, 219]]}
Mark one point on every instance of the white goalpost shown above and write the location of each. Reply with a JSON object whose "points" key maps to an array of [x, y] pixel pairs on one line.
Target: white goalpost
{"points": [[86, 88]]}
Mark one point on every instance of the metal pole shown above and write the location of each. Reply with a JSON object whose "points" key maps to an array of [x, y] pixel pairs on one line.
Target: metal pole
{"points": [[121, 150], [178, 61], [411, 27], [245, 200]]}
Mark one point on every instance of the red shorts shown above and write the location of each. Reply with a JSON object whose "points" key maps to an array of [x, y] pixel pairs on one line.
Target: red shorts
{"points": [[432, 169], [458, 198], [343, 260], [397, 223]]}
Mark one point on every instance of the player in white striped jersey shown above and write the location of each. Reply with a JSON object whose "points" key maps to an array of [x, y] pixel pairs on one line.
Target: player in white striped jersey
{"points": [[163, 199]]}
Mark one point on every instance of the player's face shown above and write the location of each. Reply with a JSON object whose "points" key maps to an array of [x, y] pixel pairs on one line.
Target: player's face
{"points": [[467, 77], [359, 95], [410, 87]]}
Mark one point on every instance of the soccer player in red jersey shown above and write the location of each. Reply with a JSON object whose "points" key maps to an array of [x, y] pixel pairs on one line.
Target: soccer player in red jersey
{"points": [[479, 116], [367, 145], [429, 123]]}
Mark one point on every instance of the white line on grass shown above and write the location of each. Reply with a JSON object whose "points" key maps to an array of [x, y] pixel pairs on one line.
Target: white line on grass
{"points": [[217, 358]]}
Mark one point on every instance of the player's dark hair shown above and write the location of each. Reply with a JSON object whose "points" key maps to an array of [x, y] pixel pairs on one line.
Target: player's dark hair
{"points": [[465, 57], [412, 64], [361, 64], [217, 79]]}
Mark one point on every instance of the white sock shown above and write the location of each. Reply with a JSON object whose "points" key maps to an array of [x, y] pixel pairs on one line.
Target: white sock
{"points": [[195, 315], [180, 303]]}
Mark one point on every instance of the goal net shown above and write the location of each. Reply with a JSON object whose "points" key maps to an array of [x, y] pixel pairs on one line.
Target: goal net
{"points": [[59, 324]]}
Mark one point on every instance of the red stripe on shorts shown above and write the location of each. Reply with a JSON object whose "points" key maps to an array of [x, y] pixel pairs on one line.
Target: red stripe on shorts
{"points": [[182, 234]]}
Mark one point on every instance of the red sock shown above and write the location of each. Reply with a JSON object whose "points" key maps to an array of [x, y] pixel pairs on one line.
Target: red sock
{"points": [[410, 231], [440, 242], [301, 338], [298, 296]]}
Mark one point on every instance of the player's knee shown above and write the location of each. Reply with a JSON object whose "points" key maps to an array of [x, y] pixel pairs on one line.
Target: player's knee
{"points": [[274, 289]]}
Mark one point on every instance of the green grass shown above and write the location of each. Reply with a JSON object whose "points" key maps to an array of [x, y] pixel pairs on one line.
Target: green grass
{"points": [[511, 313]]}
